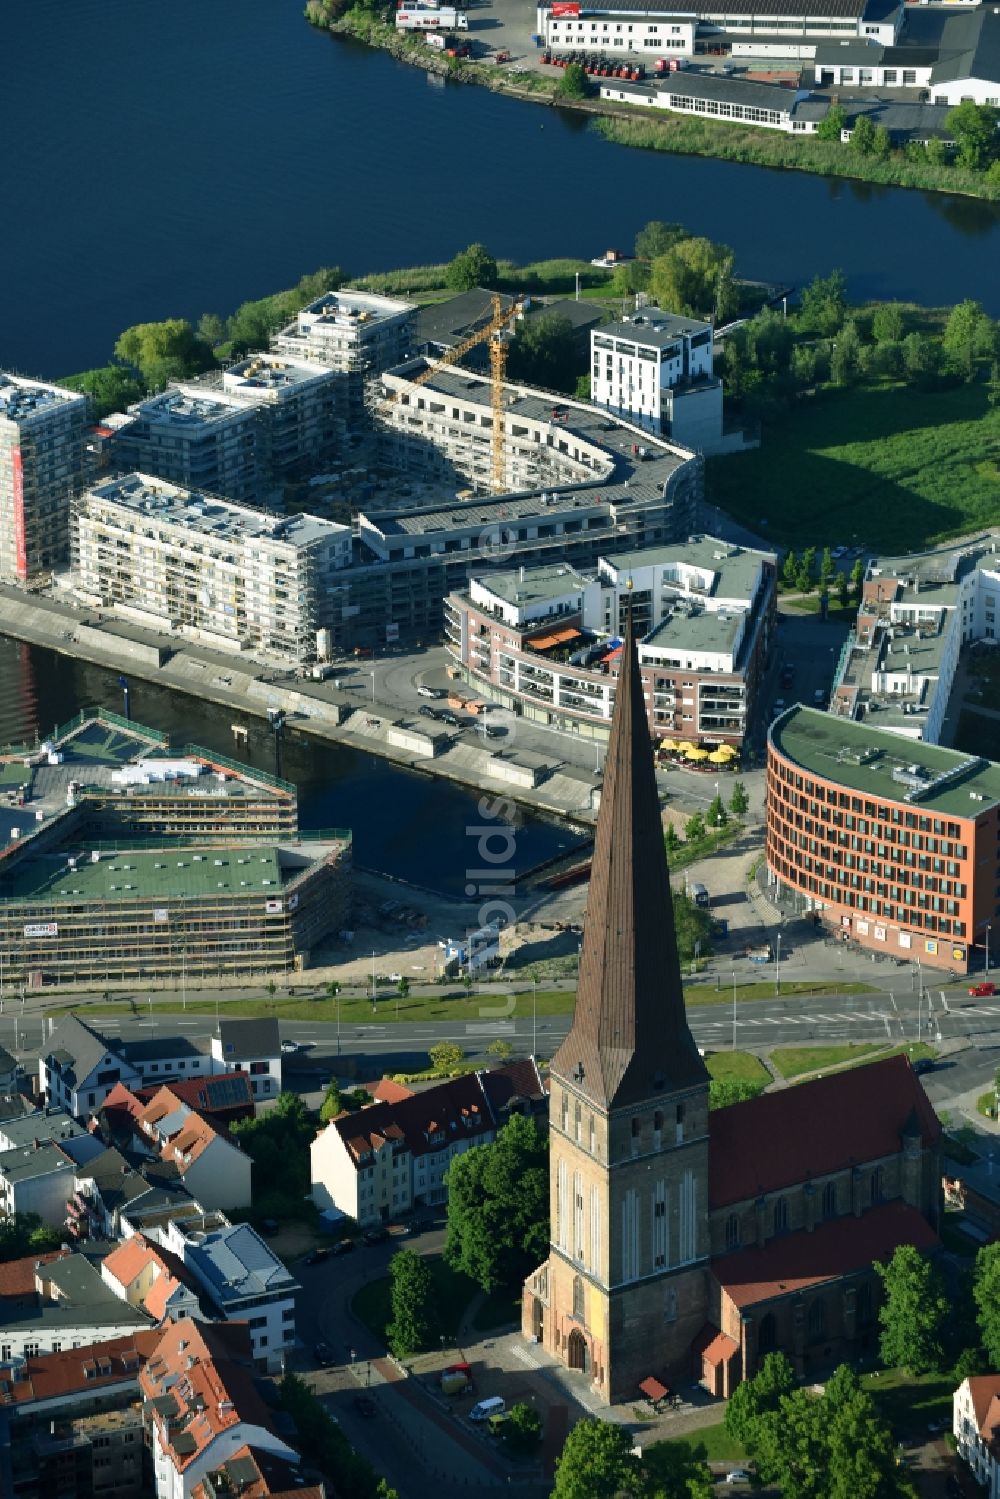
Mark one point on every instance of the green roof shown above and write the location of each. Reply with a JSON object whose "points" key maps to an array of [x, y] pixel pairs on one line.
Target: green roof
{"points": [[927, 777], [137, 875]]}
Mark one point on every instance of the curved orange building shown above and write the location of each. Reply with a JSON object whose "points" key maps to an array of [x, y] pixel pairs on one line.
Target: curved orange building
{"points": [[892, 842]]}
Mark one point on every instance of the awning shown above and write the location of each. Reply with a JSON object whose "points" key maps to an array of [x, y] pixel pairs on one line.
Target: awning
{"points": [[560, 637], [720, 1350], [653, 1389]]}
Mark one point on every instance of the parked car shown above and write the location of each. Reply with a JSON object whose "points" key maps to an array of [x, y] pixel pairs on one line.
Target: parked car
{"points": [[923, 1064], [427, 711], [365, 1407], [447, 716], [317, 1256], [819, 698], [495, 1405], [980, 991], [271, 1225], [375, 1235], [738, 1475], [323, 1355], [423, 691], [342, 1246], [289, 1048]]}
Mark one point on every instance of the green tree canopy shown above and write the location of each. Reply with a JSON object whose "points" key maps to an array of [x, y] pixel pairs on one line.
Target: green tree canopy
{"points": [[656, 238], [695, 277], [323, 1443], [973, 128], [887, 323], [574, 83], [110, 387], [913, 1312], [22, 1234], [739, 802], [498, 1206], [769, 342], [968, 335], [922, 360], [544, 352], [723, 1091], [522, 1430], [750, 1400], [597, 1462], [693, 926], [170, 350], [472, 267], [823, 304], [676, 1470], [833, 122], [278, 1144], [446, 1056], [863, 136], [986, 1293], [333, 1102], [881, 144], [415, 1315]]}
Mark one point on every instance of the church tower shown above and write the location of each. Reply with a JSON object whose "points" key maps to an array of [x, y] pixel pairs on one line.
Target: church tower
{"points": [[624, 1291]]}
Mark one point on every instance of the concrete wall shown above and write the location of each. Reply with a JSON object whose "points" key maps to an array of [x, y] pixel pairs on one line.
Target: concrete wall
{"points": [[128, 650], [418, 743]]}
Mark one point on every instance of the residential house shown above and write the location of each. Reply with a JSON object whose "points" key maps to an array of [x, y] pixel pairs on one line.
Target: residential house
{"points": [[38, 1175], [151, 1277], [251, 1046], [211, 1167], [244, 1281], [258, 1475], [202, 1406], [393, 1156], [55, 1302], [78, 1067], [976, 1425]]}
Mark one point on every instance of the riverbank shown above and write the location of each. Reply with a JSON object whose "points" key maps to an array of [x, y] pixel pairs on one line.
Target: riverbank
{"points": [[320, 709], [636, 126]]}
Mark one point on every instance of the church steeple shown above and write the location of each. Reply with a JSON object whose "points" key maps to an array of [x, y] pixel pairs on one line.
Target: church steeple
{"points": [[630, 1039]]}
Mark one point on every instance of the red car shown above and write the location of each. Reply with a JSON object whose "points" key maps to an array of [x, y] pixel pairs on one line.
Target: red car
{"points": [[980, 991]]}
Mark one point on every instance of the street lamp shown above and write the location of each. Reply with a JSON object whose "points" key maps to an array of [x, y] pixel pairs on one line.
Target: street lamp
{"points": [[734, 1009], [777, 967], [374, 986], [987, 955]]}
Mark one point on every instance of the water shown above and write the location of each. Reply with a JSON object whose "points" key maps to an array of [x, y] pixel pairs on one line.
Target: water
{"points": [[167, 160], [408, 825]]}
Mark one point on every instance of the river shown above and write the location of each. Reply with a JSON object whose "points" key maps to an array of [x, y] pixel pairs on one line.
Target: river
{"points": [[168, 160]]}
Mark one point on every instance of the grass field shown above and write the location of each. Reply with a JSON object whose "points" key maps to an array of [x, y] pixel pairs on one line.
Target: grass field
{"points": [[909, 1401], [454, 1292], [796, 1061], [737, 1066], [712, 1442], [891, 467]]}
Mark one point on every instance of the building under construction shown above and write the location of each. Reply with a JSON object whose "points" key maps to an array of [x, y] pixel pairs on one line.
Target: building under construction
{"points": [[124, 860], [204, 568]]}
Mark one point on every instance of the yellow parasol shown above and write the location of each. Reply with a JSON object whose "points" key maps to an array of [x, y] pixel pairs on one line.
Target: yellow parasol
{"points": [[684, 745], [696, 754], [719, 757], [667, 744]]}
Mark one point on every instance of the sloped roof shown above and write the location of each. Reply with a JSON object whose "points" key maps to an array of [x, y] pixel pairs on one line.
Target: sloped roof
{"points": [[969, 47], [810, 1131], [236, 1263], [85, 1047], [794, 1262], [387, 1091], [220, 1095], [457, 1109], [243, 1040], [516, 1079], [17, 1277], [49, 1376], [630, 1039], [984, 1389], [255, 1474]]}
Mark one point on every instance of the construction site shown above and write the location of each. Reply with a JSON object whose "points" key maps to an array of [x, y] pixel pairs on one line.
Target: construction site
{"points": [[124, 860]]}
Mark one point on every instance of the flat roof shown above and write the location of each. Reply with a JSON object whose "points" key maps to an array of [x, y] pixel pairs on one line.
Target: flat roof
{"points": [[85, 1301], [158, 500], [864, 759], [29, 1161], [735, 568], [170, 872], [703, 630], [266, 374], [653, 326], [531, 584], [347, 309], [20, 398]]}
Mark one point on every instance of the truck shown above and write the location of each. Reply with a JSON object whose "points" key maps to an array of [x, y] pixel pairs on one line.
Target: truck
{"points": [[443, 18], [761, 954], [699, 894]]}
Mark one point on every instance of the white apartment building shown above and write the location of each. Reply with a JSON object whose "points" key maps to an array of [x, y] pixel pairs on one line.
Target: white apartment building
{"points": [[350, 331], [184, 562], [655, 370], [53, 1302], [253, 1047], [42, 458], [636, 33], [976, 1427]]}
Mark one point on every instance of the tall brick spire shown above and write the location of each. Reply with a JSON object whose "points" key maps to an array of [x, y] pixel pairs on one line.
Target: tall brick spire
{"points": [[630, 1039]]}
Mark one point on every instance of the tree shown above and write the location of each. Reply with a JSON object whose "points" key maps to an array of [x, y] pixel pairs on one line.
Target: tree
{"points": [[833, 123], [403, 988], [170, 350], [845, 358], [657, 238], [501, 1049], [677, 1470], [881, 144], [278, 1144], [769, 342], [739, 802], [694, 828], [973, 127], [863, 136], [597, 1462], [826, 568], [498, 1206], [415, 1316], [986, 1294], [887, 323], [936, 152], [716, 816], [790, 569], [574, 83], [809, 564], [692, 927], [803, 365], [629, 277], [967, 335], [522, 1430], [333, 1103], [545, 352], [211, 329], [841, 586], [993, 390], [110, 388], [323, 1443], [24, 1233], [857, 578], [922, 359], [751, 1399], [446, 1056], [472, 267], [824, 304], [332, 989], [694, 277], [912, 1313], [670, 839]]}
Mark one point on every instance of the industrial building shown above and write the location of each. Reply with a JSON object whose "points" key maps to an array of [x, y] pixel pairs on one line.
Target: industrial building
{"points": [[354, 332], [891, 843], [105, 875], [208, 569], [42, 464], [916, 615], [545, 642]]}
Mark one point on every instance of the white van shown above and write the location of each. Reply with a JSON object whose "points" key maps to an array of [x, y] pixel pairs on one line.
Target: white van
{"points": [[496, 1405]]}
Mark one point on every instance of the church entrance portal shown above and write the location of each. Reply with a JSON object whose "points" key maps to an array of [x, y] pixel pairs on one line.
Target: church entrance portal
{"points": [[578, 1352]]}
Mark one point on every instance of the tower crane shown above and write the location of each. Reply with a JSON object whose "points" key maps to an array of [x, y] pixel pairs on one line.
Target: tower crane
{"points": [[496, 330]]}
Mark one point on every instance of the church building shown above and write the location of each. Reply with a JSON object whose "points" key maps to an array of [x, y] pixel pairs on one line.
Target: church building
{"points": [[687, 1244]]}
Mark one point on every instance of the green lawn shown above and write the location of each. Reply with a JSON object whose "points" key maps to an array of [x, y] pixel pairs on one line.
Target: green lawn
{"points": [[713, 1443], [892, 467], [708, 994], [907, 1401], [795, 1061], [454, 1292], [738, 1066]]}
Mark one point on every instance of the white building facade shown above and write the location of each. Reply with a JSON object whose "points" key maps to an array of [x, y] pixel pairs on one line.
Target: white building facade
{"points": [[42, 461]]}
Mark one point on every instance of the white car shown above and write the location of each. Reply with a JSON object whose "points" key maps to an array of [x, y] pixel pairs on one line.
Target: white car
{"points": [[289, 1048], [423, 691], [738, 1475]]}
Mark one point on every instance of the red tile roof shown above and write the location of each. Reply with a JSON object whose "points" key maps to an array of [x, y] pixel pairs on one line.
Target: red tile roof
{"points": [[984, 1389], [720, 1349], [17, 1277], [793, 1262], [457, 1109], [128, 1261], [276, 1478], [387, 1091], [49, 1375], [517, 1079], [810, 1131]]}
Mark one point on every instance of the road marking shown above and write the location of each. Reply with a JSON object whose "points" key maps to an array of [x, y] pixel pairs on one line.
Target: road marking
{"points": [[524, 1356]]}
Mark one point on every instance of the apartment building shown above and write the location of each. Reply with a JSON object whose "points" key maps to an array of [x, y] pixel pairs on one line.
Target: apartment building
{"points": [[916, 615], [545, 642], [655, 370], [42, 465], [242, 1280], [302, 407], [352, 332], [201, 437], [252, 1047], [150, 1277], [394, 1155], [230, 576], [211, 1167], [51, 1303], [976, 1428], [202, 1407], [892, 843]]}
